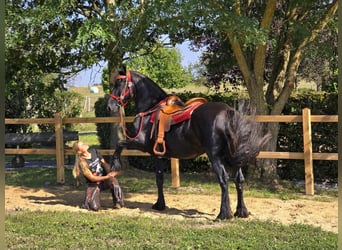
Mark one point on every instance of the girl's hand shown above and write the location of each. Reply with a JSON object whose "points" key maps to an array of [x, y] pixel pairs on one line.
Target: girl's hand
{"points": [[112, 174]]}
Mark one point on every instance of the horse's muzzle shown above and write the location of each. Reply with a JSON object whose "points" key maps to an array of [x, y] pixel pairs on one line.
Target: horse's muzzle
{"points": [[111, 110], [113, 107]]}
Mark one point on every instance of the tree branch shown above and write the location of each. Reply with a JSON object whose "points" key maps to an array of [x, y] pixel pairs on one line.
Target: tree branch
{"points": [[321, 24], [241, 60], [96, 8], [239, 55], [260, 54], [297, 57]]}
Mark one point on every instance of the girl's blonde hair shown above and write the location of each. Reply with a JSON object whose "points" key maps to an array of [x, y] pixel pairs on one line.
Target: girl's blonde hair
{"points": [[78, 160], [76, 170]]}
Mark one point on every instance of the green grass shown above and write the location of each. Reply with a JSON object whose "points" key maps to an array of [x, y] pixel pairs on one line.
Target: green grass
{"points": [[78, 230], [8, 158]]}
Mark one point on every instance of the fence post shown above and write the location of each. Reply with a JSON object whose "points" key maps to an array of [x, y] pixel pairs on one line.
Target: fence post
{"points": [[59, 148], [175, 182], [308, 163]]}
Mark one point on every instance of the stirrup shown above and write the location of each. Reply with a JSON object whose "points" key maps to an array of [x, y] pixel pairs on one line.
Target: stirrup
{"points": [[155, 150]]}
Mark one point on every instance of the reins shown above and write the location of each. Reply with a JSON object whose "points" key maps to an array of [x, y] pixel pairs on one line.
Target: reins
{"points": [[124, 128], [141, 115]]}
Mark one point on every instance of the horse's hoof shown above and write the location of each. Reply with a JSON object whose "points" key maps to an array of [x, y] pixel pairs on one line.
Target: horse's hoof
{"points": [[223, 216], [159, 207], [241, 213]]}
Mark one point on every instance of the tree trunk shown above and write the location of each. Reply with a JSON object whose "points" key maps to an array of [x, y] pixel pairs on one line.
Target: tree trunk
{"points": [[265, 169]]}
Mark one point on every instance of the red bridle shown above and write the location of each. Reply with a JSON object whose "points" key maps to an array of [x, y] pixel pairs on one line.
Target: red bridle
{"points": [[127, 90]]}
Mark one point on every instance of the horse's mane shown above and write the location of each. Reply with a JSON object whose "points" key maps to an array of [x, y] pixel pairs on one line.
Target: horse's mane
{"points": [[149, 81], [151, 94], [152, 86]]}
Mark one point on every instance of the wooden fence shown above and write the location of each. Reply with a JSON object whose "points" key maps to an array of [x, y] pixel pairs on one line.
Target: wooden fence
{"points": [[306, 118]]}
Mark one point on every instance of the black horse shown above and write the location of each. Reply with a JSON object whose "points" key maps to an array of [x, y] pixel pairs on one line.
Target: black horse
{"points": [[229, 139]]}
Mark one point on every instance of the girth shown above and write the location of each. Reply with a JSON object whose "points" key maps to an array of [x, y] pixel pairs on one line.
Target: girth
{"points": [[172, 111]]}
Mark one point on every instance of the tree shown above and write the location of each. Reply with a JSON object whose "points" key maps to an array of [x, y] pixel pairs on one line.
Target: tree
{"points": [[61, 38], [65, 37], [197, 71], [268, 40], [163, 66], [38, 53], [320, 60]]}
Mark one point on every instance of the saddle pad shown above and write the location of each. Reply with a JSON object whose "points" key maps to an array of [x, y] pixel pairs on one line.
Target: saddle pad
{"points": [[186, 114], [181, 115]]}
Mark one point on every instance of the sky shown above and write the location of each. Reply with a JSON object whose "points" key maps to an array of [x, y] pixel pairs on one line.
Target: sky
{"points": [[89, 77]]}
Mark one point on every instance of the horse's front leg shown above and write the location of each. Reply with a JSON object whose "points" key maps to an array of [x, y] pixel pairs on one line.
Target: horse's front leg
{"points": [[159, 165], [116, 158], [241, 209], [225, 210]]}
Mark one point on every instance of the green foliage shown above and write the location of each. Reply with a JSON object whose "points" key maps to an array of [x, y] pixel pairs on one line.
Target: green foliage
{"points": [[103, 129], [324, 136], [66, 102], [105, 80], [37, 55], [163, 66], [238, 37], [63, 37], [41, 98]]}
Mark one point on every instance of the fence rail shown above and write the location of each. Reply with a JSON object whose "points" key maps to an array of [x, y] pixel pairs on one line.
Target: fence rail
{"points": [[306, 118]]}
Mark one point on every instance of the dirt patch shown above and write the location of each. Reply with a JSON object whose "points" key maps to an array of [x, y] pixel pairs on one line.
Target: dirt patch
{"points": [[193, 206]]}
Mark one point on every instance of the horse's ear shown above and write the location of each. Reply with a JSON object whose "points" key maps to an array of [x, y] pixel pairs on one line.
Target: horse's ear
{"points": [[122, 69]]}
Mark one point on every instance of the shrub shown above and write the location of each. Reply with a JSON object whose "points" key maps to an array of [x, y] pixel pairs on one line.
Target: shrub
{"points": [[103, 129], [324, 136]]}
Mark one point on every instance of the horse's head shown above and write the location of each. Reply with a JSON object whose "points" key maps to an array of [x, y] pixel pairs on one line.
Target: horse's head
{"points": [[121, 91]]}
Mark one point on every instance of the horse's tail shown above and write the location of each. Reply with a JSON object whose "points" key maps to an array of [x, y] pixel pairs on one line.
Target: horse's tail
{"points": [[246, 138]]}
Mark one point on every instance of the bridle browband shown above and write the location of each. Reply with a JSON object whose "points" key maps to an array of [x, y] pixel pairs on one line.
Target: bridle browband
{"points": [[127, 90]]}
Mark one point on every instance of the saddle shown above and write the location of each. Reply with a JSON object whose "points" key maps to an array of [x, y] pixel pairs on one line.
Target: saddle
{"points": [[172, 111]]}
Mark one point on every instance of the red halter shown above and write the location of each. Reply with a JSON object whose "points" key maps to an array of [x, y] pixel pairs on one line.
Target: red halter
{"points": [[127, 90]]}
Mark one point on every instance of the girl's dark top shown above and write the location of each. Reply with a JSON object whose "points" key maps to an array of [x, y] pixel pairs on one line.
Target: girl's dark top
{"points": [[94, 163]]}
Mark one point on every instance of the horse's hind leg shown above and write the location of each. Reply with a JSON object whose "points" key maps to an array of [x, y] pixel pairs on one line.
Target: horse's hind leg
{"points": [[241, 209], [159, 165]]}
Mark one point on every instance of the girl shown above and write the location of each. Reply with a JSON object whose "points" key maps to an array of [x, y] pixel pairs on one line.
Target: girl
{"points": [[96, 171]]}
